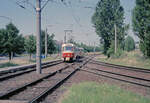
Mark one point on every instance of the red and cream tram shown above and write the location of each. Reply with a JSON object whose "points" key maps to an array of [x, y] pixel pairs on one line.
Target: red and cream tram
{"points": [[68, 52]]}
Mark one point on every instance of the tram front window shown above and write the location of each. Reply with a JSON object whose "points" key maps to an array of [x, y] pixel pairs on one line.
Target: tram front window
{"points": [[68, 48]]}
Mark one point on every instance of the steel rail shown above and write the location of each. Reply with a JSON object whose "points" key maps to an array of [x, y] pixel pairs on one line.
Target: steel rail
{"points": [[131, 82], [19, 68], [58, 84], [18, 89], [148, 80], [120, 66], [7, 76], [50, 89]]}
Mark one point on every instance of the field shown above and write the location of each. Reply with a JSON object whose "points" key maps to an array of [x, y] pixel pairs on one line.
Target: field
{"points": [[134, 58], [23, 60], [90, 92]]}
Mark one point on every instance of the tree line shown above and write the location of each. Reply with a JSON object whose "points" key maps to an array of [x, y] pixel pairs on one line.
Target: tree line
{"points": [[11, 42], [109, 13]]}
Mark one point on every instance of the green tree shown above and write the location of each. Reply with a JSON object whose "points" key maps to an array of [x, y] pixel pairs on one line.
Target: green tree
{"points": [[51, 46], [107, 14], [11, 42], [141, 24], [2, 33], [30, 45], [129, 44]]}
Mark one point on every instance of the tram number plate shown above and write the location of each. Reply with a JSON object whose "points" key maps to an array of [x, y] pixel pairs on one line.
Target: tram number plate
{"points": [[67, 59]]}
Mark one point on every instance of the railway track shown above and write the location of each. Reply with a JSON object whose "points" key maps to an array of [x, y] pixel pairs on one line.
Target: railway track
{"points": [[120, 66], [36, 90], [24, 67], [133, 76], [14, 73]]}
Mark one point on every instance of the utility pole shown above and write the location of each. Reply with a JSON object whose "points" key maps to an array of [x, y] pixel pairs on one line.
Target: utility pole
{"points": [[38, 10], [94, 47], [115, 38], [65, 37], [46, 43], [38, 37]]}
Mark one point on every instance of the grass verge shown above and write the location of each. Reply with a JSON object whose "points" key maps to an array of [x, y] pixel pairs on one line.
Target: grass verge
{"points": [[134, 58], [100, 93], [8, 64], [22, 61]]}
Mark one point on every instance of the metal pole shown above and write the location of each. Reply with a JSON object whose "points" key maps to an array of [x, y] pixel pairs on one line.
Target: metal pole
{"points": [[115, 38], [94, 46], [38, 36], [46, 43], [65, 37]]}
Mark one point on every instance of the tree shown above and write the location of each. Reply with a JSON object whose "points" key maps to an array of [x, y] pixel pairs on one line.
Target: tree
{"points": [[107, 14], [51, 46], [141, 24], [11, 42], [2, 33], [129, 44], [30, 44]]}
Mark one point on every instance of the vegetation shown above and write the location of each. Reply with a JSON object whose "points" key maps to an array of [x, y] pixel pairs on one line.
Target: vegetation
{"points": [[100, 93], [30, 45], [111, 51], [132, 58], [10, 40], [88, 48], [141, 25], [84, 46], [51, 46], [12, 43], [107, 14], [8, 64], [129, 44]]}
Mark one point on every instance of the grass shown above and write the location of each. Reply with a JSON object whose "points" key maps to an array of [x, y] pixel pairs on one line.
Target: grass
{"points": [[91, 92], [8, 64], [134, 58], [22, 61]]}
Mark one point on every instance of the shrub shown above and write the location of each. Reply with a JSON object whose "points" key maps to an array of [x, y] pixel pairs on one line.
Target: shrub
{"points": [[129, 44]]}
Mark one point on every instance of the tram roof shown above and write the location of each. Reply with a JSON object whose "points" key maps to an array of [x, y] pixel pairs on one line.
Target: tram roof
{"points": [[67, 44]]}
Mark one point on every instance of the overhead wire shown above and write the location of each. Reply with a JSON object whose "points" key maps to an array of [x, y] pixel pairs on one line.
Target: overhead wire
{"points": [[22, 4]]}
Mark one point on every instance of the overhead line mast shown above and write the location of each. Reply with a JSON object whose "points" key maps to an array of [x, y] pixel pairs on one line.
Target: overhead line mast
{"points": [[38, 9], [38, 36]]}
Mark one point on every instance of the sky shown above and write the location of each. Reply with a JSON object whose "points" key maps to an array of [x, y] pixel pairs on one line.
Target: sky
{"points": [[57, 17]]}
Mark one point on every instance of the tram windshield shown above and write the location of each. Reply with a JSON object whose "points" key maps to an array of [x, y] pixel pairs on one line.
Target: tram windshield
{"points": [[68, 48]]}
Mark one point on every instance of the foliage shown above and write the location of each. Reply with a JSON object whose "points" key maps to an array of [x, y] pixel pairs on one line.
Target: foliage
{"points": [[91, 92], [30, 44], [8, 64], [141, 24], [11, 41], [132, 58], [51, 46], [129, 44], [2, 39], [87, 48], [107, 14], [111, 51]]}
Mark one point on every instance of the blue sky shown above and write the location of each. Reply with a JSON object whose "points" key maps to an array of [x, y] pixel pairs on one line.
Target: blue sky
{"points": [[58, 17]]}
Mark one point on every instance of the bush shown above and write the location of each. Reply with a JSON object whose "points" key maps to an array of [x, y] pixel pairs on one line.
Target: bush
{"points": [[129, 44], [111, 51]]}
